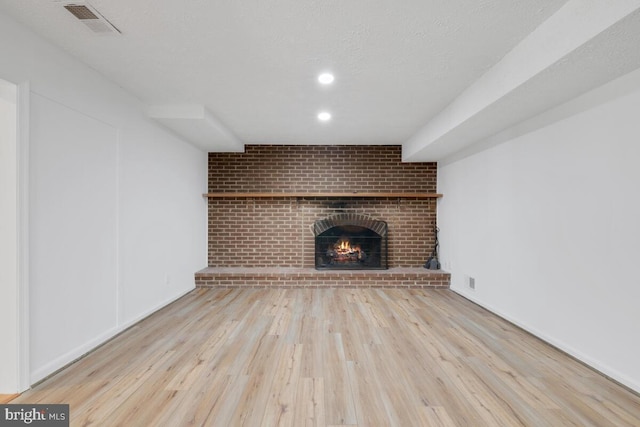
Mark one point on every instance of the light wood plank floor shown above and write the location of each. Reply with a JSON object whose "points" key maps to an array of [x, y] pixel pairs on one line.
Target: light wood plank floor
{"points": [[332, 357], [6, 398]]}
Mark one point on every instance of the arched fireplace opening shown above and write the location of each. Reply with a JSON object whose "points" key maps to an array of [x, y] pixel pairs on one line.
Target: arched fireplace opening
{"points": [[350, 242]]}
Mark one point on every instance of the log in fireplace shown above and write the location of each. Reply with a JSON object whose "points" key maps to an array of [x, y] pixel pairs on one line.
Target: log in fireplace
{"points": [[349, 241]]}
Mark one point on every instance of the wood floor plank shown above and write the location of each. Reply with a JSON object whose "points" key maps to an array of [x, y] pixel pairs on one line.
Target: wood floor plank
{"points": [[313, 351], [309, 406], [435, 416], [281, 403], [340, 408], [120, 392], [399, 400], [368, 402], [260, 370], [224, 410], [6, 398], [325, 357]]}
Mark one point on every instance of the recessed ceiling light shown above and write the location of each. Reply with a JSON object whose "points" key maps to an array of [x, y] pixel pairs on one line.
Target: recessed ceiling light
{"points": [[326, 78], [324, 116]]}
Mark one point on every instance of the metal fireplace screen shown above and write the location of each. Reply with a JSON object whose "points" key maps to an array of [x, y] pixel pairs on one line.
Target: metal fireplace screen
{"points": [[350, 242]]}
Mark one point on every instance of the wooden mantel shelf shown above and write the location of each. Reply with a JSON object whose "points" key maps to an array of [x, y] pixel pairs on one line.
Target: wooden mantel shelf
{"points": [[354, 194]]}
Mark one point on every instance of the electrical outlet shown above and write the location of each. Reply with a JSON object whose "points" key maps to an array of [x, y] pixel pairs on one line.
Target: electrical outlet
{"points": [[472, 282]]}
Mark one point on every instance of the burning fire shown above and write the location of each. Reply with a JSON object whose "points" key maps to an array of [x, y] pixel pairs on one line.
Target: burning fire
{"points": [[344, 247], [343, 251]]}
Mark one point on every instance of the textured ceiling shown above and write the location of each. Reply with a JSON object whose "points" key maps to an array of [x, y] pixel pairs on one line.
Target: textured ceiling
{"points": [[251, 65]]}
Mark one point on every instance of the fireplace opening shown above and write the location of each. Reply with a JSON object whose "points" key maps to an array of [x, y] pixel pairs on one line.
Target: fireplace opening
{"points": [[350, 242]]}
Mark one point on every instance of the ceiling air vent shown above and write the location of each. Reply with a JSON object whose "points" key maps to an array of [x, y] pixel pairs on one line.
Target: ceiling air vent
{"points": [[91, 18]]}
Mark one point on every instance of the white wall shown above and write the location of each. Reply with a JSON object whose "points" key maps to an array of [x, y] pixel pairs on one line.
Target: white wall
{"points": [[9, 363], [548, 224], [117, 222]]}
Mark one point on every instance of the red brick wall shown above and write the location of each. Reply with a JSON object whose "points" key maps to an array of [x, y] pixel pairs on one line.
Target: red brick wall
{"points": [[338, 168], [277, 231]]}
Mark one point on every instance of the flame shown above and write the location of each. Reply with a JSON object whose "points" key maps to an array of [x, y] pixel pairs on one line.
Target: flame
{"points": [[344, 251]]}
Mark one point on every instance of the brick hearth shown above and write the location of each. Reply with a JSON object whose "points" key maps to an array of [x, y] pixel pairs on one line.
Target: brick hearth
{"points": [[283, 277]]}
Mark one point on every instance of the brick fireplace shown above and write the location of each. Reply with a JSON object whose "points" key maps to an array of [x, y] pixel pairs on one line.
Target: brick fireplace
{"points": [[264, 204], [347, 241]]}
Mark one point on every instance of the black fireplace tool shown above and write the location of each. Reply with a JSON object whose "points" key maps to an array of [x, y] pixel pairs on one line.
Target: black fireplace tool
{"points": [[433, 263]]}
